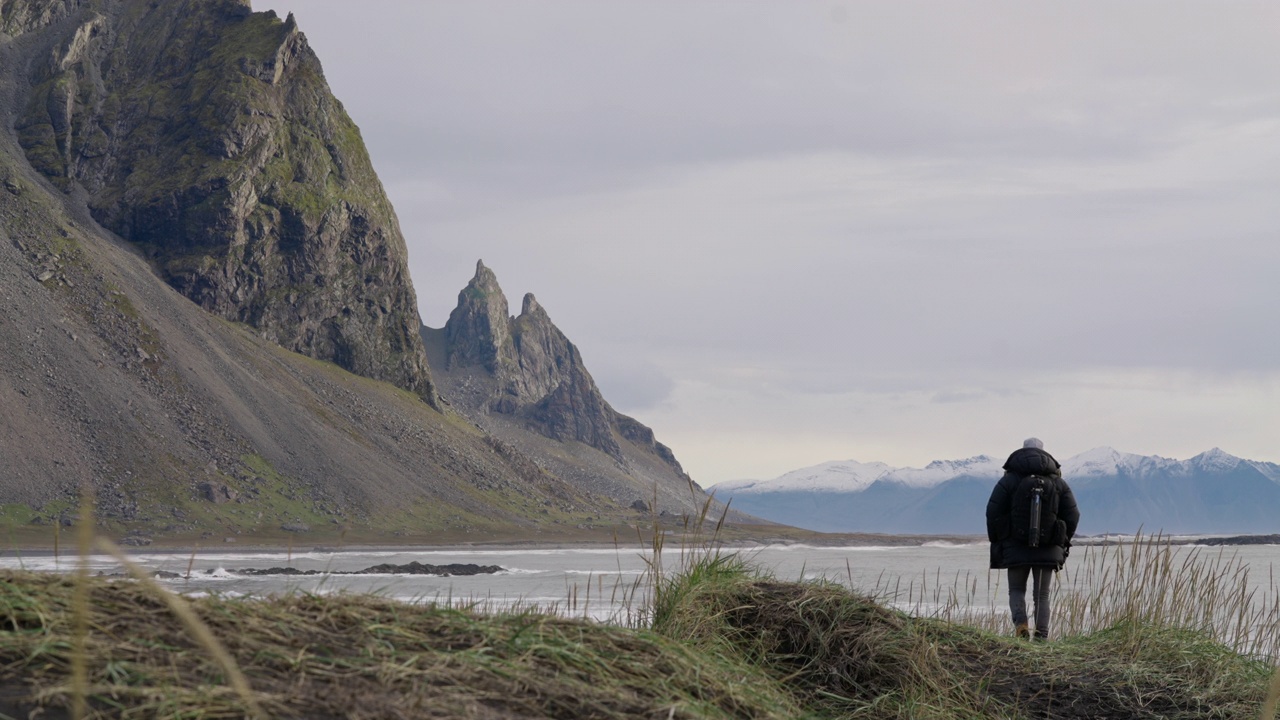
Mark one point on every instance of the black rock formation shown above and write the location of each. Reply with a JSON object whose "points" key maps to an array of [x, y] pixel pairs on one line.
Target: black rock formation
{"points": [[411, 568]]}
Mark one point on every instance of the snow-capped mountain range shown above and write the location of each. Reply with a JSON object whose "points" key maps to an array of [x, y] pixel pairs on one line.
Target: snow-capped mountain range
{"points": [[1104, 461], [1118, 492], [853, 476]]}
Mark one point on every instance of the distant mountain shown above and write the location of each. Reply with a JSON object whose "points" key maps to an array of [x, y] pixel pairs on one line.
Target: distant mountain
{"points": [[1213, 492]]}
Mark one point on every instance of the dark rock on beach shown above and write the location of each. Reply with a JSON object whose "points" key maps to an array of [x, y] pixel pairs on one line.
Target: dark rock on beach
{"points": [[1240, 540], [412, 568], [1273, 539], [417, 568]]}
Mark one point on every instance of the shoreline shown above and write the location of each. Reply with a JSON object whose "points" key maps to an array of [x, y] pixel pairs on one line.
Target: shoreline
{"points": [[271, 546]]}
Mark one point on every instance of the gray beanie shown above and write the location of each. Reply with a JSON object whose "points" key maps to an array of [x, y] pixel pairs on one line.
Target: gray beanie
{"points": [[1033, 443]]}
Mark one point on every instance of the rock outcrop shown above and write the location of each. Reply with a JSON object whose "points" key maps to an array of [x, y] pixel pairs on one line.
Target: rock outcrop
{"points": [[22, 16], [525, 369], [478, 330], [206, 134]]}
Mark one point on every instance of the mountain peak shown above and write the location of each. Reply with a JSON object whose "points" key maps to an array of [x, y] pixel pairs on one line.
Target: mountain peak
{"points": [[940, 471], [478, 329], [1215, 459], [530, 305], [1098, 461], [838, 475], [965, 463], [485, 279], [536, 375]]}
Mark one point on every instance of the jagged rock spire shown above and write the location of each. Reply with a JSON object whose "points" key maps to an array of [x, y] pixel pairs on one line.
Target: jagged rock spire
{"points": [[540, 376], [479, 330]]}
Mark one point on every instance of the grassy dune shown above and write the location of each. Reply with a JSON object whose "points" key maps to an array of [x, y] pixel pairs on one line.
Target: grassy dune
{"points": [[714, 639]]}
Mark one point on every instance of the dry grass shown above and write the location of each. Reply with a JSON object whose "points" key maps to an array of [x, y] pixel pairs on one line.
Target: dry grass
{"points": [[351, 656], [1141, 644], [844, 655], [1143, 582]]}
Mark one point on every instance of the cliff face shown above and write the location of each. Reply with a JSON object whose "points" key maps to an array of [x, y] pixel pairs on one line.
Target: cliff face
{"points": [[553, 386], [206, 134], [535, 375], [23, 16]]}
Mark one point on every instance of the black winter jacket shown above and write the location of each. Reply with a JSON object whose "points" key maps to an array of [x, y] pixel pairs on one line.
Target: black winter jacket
{"points": [[1005, 551]]}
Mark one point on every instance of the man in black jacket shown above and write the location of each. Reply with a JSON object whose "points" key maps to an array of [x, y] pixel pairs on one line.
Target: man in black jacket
{"points": [[1031, 554]]}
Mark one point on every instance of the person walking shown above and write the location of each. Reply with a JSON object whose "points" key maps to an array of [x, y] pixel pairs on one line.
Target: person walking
{"points": [[1031, 518]]}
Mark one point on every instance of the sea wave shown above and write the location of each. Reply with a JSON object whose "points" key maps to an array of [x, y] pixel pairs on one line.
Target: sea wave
{"points": [[801, 547]]}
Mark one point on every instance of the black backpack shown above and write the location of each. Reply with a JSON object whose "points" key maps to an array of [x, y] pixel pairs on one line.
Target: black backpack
{"points": [[1033, 515]]}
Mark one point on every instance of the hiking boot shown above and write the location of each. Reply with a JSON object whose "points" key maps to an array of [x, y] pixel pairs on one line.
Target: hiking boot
{"points": [[1022, 632], [1041, 637]]}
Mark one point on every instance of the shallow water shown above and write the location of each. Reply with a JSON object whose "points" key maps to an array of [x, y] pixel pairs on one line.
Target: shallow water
{"points": [[602, 582]]}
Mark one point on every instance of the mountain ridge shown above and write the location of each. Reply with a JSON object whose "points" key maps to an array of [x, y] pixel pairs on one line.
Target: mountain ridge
{"points": [[1209, 492], [520, 377]]}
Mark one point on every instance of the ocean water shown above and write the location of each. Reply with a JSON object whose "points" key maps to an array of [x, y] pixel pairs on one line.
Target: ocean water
{"points": [[607, 583]]}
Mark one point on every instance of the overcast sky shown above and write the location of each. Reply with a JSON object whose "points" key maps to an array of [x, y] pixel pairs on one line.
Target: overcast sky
{"points": [[783, 233]]}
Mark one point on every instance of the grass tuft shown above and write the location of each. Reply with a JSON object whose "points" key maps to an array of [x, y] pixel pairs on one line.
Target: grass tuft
{"points": [[1144, 582], [842, 654]]}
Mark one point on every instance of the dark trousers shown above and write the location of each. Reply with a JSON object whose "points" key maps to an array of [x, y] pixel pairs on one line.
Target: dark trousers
{"points": [[1042, 581]]}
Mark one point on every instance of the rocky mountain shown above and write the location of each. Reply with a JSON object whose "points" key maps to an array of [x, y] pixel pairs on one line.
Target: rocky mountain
{"points": [[206, 318], [1213, 492], [206, 135], [520, 378]]}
